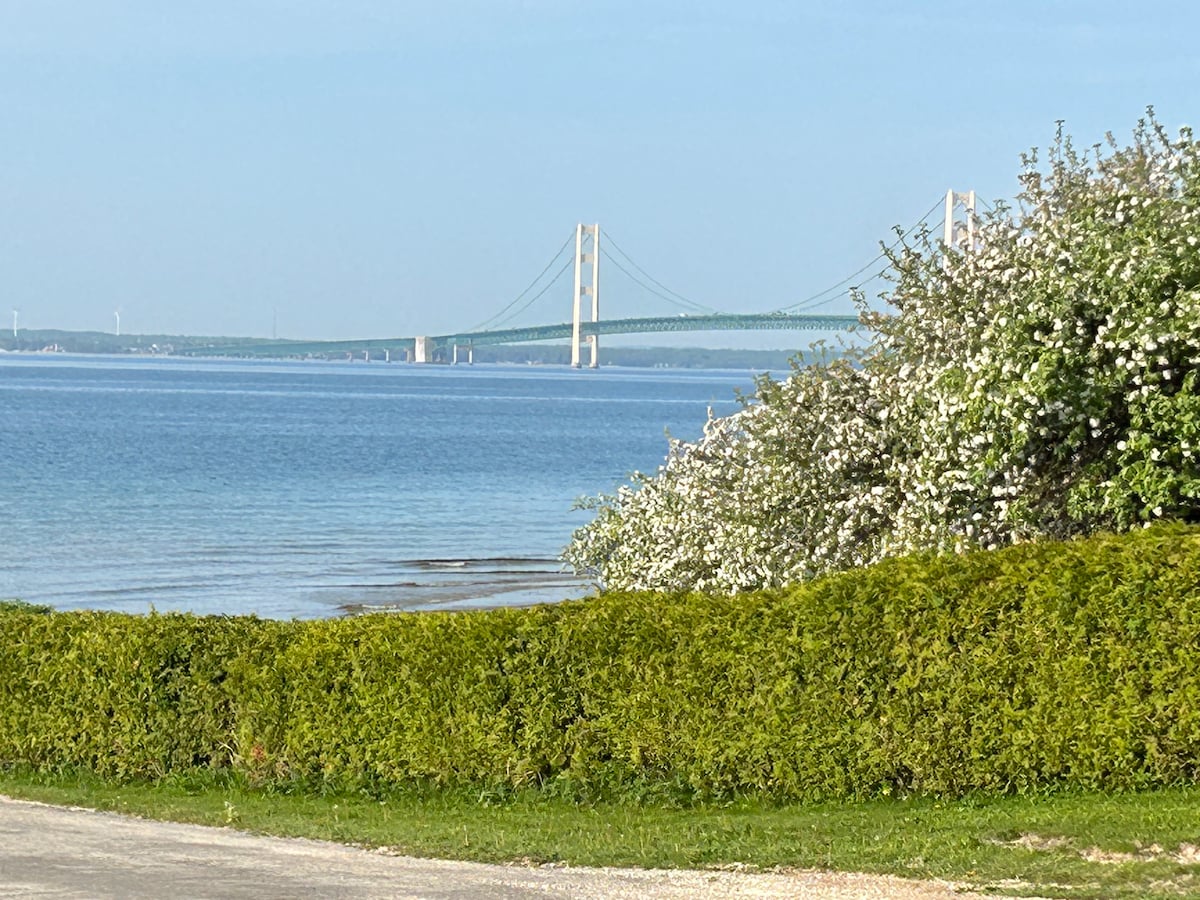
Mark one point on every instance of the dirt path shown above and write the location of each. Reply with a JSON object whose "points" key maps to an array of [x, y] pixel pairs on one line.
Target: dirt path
{"points": [[48, 851]]}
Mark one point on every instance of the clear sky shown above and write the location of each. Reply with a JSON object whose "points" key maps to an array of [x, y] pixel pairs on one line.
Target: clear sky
{"points": [[364, 168]]}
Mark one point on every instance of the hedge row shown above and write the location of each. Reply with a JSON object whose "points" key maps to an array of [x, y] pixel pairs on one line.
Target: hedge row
{"points": [[1031, 668]]}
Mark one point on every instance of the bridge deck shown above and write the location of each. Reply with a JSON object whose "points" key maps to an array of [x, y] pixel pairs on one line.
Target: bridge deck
{"points": [[660, 324]]}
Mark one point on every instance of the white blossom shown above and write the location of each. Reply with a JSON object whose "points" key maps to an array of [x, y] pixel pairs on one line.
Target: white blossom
{"points": [[1045, 384]]}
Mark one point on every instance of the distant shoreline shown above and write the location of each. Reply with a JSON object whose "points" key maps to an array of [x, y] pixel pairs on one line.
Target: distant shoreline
{"points": [[49, 341]]}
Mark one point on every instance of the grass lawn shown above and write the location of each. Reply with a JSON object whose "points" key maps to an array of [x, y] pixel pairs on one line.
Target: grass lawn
{"points": [[1132, 845]]}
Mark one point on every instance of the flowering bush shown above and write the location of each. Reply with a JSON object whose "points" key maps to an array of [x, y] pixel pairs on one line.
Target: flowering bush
{"points": [[1041, 383]]}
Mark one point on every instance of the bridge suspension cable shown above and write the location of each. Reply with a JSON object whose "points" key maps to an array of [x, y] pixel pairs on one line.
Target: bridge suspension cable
{"points": [[814, 301], [501, 317], [673, 297], [656, 288], [532, 300], [691, 307]]}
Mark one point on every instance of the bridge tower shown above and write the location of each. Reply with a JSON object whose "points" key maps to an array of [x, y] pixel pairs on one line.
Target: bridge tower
{"points": [[960, 233], [586, 258]]}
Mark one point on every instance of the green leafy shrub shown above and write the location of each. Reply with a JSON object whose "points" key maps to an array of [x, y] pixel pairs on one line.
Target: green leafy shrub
{"points": [[1032, 668], [387, 699], [129, 696], [7, 606]]}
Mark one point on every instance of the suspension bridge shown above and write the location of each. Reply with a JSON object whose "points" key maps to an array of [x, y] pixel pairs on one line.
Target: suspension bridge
{"points": [[585, 328]]}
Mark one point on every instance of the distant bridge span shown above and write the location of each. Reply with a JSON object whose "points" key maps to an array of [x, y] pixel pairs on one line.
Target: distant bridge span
{"points": [[449, 344]]}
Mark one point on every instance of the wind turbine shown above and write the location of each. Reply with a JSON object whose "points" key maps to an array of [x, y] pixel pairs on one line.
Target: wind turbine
{"points": [[117, 313], [16, 312]]}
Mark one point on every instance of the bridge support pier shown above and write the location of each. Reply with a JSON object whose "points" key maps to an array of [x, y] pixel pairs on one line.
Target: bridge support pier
{"points": [[581, 290], [421, 349]]}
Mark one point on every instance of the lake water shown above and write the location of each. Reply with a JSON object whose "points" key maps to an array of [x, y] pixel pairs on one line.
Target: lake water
{"points": [[311, 489]]}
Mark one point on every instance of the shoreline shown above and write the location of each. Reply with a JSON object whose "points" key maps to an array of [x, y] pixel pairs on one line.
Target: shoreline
{"points": [[421, 585]]}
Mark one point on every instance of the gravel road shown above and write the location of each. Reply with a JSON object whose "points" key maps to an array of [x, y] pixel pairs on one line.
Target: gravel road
{"points": [[48, 851]]}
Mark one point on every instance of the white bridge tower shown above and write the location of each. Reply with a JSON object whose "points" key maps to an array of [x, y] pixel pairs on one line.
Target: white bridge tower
{"points": [[960, 233], [583, 258]]}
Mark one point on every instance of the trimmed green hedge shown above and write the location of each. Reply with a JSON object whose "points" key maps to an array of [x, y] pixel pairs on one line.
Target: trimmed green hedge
{"points": [[1027, 669]]}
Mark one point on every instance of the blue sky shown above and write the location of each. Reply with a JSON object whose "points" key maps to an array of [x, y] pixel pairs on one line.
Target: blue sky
{"points": [[367, 169]]}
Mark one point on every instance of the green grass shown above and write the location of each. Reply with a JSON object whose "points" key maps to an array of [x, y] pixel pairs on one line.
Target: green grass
{"points": [[976, 841]]}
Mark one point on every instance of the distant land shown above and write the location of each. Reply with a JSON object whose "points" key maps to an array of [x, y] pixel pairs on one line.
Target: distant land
{"points": [[52, 340]]}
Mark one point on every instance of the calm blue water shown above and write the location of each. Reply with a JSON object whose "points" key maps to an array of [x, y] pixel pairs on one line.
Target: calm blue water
{"points": [[308, 489]]}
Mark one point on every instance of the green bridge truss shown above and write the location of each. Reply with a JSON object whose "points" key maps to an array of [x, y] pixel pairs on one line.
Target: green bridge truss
{"points": [[445, 342]]}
